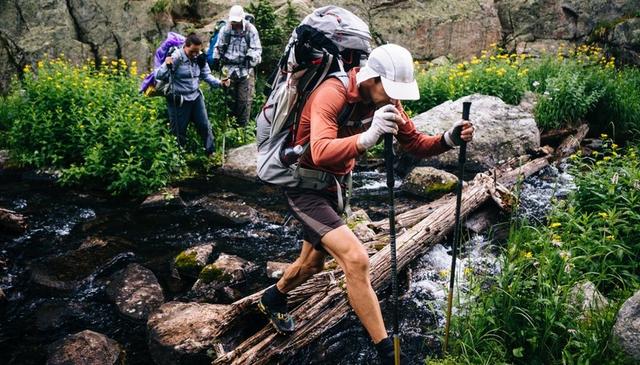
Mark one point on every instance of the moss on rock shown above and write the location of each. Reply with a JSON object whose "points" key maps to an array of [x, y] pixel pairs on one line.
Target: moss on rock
{"points": [[211, 272]]}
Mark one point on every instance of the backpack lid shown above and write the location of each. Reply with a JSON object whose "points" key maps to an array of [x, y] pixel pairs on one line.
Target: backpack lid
{"points": [[342, 27]]}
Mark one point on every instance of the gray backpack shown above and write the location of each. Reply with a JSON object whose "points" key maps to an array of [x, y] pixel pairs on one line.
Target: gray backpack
{"points": [[327, 43]]}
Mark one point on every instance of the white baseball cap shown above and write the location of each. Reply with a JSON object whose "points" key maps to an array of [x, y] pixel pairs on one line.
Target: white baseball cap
{"points": [[236, 14], [394, 65]]}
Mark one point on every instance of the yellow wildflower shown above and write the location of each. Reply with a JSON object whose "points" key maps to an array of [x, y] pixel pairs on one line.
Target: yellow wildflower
{"points": [[555, 225], [603, 214]]}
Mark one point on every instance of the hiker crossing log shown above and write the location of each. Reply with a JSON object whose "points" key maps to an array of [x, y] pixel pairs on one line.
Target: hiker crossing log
{"points": [[323, 297]]}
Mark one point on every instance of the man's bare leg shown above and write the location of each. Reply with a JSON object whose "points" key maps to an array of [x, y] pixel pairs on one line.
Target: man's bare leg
{"points": [[346, 248], [309, 262]]}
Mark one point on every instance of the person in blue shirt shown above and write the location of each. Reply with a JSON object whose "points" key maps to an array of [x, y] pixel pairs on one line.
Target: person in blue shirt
{"points": [[184, 69]]}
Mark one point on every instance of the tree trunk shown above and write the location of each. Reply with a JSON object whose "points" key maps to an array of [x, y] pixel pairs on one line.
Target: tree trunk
{"points": [[324, 296]]}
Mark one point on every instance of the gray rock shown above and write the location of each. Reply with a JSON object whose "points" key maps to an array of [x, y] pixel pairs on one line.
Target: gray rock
{"points": [[85, 348], [235, 267], [481, 220], [585, 297], [167, 198], [627, 327], [626, 38], [428, 182], [135, 291], [191, 261], [275, 270], [217, 279], [12, 222], [241, 162], [67, 271], [181, 333], [223, 212], [502, 131]]}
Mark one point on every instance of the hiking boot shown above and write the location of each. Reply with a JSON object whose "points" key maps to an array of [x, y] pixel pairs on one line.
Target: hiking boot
{"points": [[279, 318], [273, 303]]}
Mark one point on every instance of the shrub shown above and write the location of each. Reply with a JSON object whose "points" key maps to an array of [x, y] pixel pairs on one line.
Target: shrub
{"points": [[526, 316], [92, 125]]}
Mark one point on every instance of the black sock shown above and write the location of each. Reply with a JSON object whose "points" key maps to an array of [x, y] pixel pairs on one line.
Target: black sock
{"points": [[385, 347], [275, 299]]}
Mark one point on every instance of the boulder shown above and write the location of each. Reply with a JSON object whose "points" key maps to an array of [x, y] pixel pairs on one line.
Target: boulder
{"points": [[180, 333], [275, 270], [625, 36], [168, 198], [220, 211], [241, 162], [428, 182], [135, 291], [359, 221], [70, 269], [502, 131], [85, 348], [216, 280], [627, 327], [12, 222], [191, 261], [585, 297]]}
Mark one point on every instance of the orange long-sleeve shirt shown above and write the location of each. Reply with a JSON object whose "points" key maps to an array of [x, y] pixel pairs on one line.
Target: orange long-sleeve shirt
{"points": [[333, 149]]}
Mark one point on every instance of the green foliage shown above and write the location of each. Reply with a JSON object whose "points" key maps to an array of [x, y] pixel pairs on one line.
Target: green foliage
{"points": [[565, 101], [160, 6], [290, 22], [270, 35], [93, 126], [526, 316], [186, 263]]}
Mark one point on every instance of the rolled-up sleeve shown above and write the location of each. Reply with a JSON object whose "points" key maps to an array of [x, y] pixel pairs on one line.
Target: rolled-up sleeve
{"points": [[206, 76], [416, 143]]}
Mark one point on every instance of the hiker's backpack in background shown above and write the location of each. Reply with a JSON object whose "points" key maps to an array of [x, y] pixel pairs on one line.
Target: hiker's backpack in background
{"points": [[219, 27], [150, 86], [327, 43]]}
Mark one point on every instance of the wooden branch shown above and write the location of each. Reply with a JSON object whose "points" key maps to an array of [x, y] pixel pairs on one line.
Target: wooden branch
{"points": [[571, 143]]}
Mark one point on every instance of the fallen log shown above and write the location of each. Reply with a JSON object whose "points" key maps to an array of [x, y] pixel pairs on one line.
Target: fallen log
{"points": [[325, 300], [571, 143]]}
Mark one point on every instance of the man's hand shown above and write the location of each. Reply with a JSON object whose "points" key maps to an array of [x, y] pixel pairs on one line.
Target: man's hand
{"points": [[225, 82], [168, 60], [461, 131], [385, 120]]}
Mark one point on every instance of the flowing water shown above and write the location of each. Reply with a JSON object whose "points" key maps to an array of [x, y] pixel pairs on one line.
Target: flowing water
{"points": [[61, 219]]}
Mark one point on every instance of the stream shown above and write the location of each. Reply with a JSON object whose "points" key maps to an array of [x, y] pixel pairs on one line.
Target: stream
{"points": [[61, 219]]}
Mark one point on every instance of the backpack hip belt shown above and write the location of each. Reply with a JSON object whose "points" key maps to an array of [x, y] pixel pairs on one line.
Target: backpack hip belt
{"points": [[319, 180]]}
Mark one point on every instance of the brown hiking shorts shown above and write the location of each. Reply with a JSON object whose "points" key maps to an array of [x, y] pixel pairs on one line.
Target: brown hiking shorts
{"points": [[316, 210]]}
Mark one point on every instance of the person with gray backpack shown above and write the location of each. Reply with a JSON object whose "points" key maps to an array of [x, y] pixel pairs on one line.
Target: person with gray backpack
{"points": [[182, 71], [323, 112], [239, 51]]}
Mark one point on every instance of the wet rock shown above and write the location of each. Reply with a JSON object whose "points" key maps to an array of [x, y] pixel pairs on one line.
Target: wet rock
{"points": [[358, 223], [429, 182], [190, 262], [502, 131], [67, 271], [135, 291], [241, 163], [223, 212], [585, 297], [627, 327], [168, 198], [50, 316], [181, 333], [481, 220], [275, 269], [85, 348], [12, 222], [214, 280]]}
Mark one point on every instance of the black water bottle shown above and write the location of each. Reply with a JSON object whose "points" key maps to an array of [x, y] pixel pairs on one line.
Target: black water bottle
{"points": [[290, 155]]}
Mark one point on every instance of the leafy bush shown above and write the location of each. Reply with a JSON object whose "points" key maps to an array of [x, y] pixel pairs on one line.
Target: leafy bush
{"points": [[92, 125], [526, 316]]}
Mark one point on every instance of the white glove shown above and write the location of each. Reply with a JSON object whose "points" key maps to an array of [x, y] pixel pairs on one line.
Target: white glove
{"points": [[384, 121], [452, 136]]}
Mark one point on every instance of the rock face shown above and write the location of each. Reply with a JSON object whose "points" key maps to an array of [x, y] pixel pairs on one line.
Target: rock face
{"points": [[627, 326], [135, 291], [502, 131], [180, 333], [429, 182], [85, 348], [91, 29]]}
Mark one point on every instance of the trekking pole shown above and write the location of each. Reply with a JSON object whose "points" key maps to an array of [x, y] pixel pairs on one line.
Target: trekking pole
{"points": [[388, 156], [466, 107]]}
